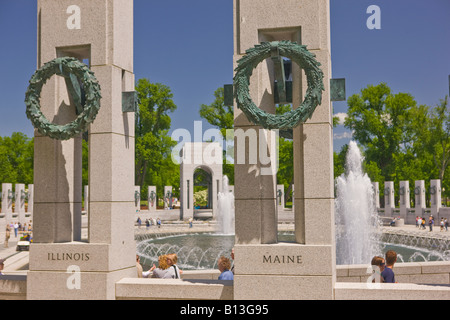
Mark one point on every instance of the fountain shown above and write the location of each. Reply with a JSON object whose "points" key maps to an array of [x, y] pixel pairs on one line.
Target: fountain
{"points": [[194, 251], [225, 217], [357, 224]]}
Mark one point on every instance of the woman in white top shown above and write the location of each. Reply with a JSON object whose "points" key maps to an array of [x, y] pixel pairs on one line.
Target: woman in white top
{"points": [[173, 272]]}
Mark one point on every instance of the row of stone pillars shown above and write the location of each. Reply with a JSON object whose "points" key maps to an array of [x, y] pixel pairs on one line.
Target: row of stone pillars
{"points": [[404, 191]]}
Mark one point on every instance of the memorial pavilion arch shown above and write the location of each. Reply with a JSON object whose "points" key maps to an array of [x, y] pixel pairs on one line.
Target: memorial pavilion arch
{"points": [[197, 172]]}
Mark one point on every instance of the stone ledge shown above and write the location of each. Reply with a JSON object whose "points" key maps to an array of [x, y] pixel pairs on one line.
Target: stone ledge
{"points": [[13, 287], [390, 291], [434, 272], [173, 289]]}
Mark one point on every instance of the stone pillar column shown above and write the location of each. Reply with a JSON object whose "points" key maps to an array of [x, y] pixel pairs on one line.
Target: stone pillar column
{"points": [[137, 199], [435, 199], [280, 197], [389, 200], [167, 201], [86, 199], [405, 203], [152, 199], [99, 33], [376, 194], [7, 201], [20, 197], [266, 269], [420, 200], [30, 199]]}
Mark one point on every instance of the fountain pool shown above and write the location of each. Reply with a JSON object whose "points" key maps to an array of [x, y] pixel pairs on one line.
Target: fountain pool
{"points": [[201, 251]]}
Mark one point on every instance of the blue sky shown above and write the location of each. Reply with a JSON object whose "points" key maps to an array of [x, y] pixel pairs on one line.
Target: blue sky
{"points": [[188, 45]]}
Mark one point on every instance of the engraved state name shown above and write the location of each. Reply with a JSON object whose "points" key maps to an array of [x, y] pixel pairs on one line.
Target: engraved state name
{"points": [[64, 256], [295, 259]]}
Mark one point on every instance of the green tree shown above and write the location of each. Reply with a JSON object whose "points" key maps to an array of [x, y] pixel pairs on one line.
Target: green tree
{"points": [[378, 119], [436, 141], [153, 144], [220, 116], [429, 148], [16, 158], [217, 114]]}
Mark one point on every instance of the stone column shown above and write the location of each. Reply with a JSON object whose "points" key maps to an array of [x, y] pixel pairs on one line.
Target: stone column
{"points": [[99, 33], [30, 199], [86, 199], [420, 200], [7, 201], [405, 203], [435, 199], [389, 200], [20, 197], [137, 199], [266, 269], [376, 194], [280, 197], [167, 201], [152, 199]]}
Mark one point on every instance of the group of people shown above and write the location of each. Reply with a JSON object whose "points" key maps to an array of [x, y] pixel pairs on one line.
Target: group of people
{"points": [[17, 227], [168, 269], [385, 266], [149, 222], [421, 223]]}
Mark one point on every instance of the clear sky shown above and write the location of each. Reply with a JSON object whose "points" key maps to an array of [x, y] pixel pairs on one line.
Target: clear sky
{"points": [[188, 45]]}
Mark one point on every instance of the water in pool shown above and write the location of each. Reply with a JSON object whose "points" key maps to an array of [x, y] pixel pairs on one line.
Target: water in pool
{"points": [[201, 251]]}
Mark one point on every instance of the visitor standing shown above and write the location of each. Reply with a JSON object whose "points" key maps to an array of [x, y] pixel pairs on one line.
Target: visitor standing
{"points": [[16, 229], [442, 224], [139, 267], [446, 224], [388, 273], [430, 223], [7, 236]]}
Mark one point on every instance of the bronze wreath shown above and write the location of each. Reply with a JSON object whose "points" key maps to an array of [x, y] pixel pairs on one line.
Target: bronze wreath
{"points": [[297, 53], [63, 67]]}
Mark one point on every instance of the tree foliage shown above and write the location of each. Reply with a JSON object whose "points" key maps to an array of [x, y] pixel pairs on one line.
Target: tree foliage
{"points": [[153, 164], [377, 118], [217, 114], [16, 159], [401, 140], [220, 116]]}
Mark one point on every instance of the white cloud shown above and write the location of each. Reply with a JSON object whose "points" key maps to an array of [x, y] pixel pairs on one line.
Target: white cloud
{"points": [[343, 135], [341, 117]]}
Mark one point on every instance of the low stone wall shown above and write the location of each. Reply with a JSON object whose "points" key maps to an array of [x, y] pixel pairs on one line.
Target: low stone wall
{"points": [[13, 287], [390, 291], [173, 289], [436, 273]]}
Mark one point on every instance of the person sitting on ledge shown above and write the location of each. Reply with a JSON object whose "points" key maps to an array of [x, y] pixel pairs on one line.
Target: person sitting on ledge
{"points": [[224, 266], [161, 270], [378, 262], [388, 274]]}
